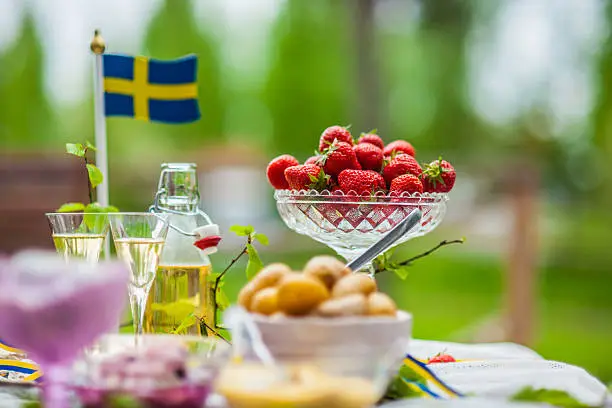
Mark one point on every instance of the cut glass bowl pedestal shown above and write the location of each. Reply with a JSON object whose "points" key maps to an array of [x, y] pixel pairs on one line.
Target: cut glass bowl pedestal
{"points": [[350, 223]]}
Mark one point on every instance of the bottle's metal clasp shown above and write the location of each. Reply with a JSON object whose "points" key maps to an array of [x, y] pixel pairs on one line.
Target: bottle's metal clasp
{"points": [[157, 208]]}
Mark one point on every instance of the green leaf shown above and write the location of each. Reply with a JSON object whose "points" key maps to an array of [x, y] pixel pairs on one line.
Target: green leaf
{"points": [[123, 401], [254, 265], [179, 310], [399, 389], [89, 146], [402, 271], [223, 301], [189, 321], [71, 207], [409, 374], [75, 149], [554, 397], [262, 239], [241, 230], [211, 277], [95, 175]]}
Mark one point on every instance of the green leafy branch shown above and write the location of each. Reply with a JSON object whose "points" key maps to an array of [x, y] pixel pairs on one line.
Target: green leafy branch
{"points": [[94, 179], [385, 262], [254, 265]]}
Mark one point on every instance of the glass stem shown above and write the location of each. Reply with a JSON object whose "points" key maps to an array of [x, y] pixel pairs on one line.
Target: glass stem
{"points": [[54, 392], [138, 301]]}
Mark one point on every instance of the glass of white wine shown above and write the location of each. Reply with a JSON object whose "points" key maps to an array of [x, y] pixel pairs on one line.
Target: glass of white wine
{"points": [[139, 239], [79, 235]]}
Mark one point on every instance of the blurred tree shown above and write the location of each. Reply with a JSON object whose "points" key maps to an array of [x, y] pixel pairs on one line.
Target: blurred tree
{"points": [[174, 33], [26, 119], [602, 116], [311, 82], [425, 70]]}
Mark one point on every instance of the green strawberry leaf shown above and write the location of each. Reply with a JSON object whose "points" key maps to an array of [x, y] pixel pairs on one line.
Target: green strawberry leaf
{"points": [[95, 175], [254, 264], [242, 230], [262, 239], [75, 149], [71, 207]]}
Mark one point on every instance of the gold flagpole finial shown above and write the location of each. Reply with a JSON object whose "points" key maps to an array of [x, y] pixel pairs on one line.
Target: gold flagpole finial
{"points": [[97, 44]]}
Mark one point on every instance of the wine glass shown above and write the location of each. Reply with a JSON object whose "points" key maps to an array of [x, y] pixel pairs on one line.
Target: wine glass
{"points": [[139, 239], [79, 235], [53, 310]]}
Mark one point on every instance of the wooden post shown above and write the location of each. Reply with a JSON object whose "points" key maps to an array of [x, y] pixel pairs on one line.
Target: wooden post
{"points": [[521, 278], [367, 65]]}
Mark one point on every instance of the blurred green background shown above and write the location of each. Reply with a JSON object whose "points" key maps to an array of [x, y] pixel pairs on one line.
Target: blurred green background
{"points": [[515, 93]]}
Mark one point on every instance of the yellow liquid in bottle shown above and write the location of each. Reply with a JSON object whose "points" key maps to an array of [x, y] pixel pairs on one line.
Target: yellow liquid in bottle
{"points": [[181, 301]]}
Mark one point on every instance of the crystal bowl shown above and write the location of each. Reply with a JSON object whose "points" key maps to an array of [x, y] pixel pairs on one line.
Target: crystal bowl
{"points": [[350, 223], [160, 371]]}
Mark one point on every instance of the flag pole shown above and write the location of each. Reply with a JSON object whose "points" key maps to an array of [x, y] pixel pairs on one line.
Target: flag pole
{"points": [[97, 47]]}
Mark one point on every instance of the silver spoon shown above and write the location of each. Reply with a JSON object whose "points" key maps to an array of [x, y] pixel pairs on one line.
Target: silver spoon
{"points": [[385, 242]]}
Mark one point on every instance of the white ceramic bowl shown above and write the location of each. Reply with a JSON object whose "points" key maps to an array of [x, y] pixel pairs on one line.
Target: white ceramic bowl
{"points": [[311, 337]]}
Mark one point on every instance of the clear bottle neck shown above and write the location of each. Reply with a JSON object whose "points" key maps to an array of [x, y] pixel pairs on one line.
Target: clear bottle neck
{"points": [[177, 190]]}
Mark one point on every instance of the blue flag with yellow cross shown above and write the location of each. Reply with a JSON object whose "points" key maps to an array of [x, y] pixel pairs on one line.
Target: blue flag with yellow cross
{"points": [[150, 89]]}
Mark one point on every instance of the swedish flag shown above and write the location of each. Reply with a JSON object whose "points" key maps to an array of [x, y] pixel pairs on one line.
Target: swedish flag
{"points": [[152, 90]]}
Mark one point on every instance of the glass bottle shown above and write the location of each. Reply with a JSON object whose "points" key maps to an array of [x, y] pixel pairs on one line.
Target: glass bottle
{"points": [[181, 300]]}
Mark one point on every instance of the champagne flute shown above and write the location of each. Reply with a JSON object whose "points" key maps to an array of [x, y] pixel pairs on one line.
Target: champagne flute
{"points": [[139, 239], [78, 235]]}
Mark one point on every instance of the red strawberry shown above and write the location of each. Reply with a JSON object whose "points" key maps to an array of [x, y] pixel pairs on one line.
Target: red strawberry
{"points": [[399, 146], [361, 181], [401, 164], [438, 177], [369, 156], [276, 171], [372, 138], [441, 358], [306, 177], [337, 157], [312, 160], [332, 133], [406, 183]]}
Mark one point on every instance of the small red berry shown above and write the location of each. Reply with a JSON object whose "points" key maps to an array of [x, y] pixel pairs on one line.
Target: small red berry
{"points": [[306, 177], [399, 146], [337, 157], [407, 183], [369, 156], [438, 177], [400, 165], [442, 358], [361, 181], [332, 133], [276, 171], [372, 138]]}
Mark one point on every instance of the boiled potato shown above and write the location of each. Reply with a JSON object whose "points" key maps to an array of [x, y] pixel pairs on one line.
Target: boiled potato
{"points": [[265, 301], [270, 275], [354, 283], [299, 294], [380, 304], [350, 305], [245, 296], [326, 268]]}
